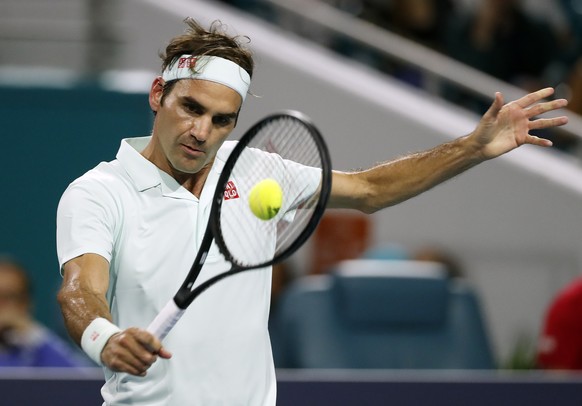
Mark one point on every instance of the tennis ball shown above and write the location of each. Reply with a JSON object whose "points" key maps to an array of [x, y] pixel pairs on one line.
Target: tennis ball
{"points": [[265, 199]]}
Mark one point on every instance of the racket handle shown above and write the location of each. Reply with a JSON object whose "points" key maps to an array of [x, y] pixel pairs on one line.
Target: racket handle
{"points": [[165, 320]]}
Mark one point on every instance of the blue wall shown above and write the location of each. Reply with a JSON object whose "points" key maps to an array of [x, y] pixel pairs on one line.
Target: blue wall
{"points": [[48, 138]]}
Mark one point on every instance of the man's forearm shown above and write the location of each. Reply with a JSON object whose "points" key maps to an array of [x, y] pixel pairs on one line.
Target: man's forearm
{"points": [[79, 307], [401, 179]]}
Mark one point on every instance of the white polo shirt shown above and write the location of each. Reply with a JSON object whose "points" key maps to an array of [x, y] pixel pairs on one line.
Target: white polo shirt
{"points": [[149, 228]]}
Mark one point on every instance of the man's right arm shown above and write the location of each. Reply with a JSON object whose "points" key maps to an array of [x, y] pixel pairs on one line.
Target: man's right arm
{"points": [[82, 300]]}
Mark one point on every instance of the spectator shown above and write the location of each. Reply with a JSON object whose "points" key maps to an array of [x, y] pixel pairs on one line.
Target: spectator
{"points": [[421, 21], [499, 38], [571, 61], [23, 341], [575, 84], [560, 346]]}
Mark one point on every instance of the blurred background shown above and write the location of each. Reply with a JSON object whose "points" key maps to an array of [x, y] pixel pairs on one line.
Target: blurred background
{"points": [[381, 78]]}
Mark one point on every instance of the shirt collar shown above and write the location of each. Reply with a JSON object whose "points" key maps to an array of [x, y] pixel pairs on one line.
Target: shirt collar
{"points": [[144, 174]]}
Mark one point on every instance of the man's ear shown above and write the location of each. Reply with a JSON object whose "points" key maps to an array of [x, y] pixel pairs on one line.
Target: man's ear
{"points": [[156, 93]]}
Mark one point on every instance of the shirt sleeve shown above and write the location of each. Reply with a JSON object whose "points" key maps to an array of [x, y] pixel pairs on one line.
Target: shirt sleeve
{"points": [[302, 182], [85, 221]]}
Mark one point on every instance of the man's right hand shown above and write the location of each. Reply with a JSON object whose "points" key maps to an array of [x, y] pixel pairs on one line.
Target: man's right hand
{"points": [[133, 351]]}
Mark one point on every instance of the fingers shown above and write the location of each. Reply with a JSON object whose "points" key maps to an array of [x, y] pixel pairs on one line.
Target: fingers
{"points": [[132, 351], [495, 107], [545, 107], [163, 353], [542, 142], [155, 346], [541, 108], [547, 122], [530, 106], [534, 97]]}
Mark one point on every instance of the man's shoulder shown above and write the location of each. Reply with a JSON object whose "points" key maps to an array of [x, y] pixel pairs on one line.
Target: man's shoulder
{"points": [[103, 171], [105, 176]]}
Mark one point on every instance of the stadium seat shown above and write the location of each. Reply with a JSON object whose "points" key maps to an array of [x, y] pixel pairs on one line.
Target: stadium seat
{"points": [[381, 314]]}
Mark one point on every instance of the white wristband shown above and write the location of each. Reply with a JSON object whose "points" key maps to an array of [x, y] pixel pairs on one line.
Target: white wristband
{"points": [[96, 336]]}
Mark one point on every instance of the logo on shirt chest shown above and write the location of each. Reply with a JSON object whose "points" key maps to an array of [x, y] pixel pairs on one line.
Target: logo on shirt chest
{"points": [[230, 191]]}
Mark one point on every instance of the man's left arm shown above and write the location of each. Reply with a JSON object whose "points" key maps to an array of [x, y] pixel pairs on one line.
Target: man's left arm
{"points": [[502, 128]]}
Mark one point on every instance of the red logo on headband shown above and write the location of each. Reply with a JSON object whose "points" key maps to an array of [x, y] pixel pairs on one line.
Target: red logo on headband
{"points": [[188, 62]]}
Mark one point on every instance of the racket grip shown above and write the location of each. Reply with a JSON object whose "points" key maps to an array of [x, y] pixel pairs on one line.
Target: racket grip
{"points": [[165, 320]]}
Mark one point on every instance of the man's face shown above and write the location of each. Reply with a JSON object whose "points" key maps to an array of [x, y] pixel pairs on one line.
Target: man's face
{"points": [[191, 124]]}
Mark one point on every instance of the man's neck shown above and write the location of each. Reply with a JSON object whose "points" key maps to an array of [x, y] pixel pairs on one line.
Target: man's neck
{"points": [[194, 182]]}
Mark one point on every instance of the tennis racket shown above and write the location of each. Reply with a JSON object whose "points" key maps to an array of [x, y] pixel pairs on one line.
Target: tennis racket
{"points": [[285, 147]]}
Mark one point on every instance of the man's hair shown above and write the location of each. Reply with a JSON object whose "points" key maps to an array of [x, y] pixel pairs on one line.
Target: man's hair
{"points": [[215, 41]]}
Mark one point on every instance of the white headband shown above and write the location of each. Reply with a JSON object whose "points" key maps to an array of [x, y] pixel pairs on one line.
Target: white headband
{"points": [[212, 68]]}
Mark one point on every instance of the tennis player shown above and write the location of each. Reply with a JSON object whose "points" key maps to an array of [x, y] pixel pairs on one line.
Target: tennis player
{"points": [[128, 230]]}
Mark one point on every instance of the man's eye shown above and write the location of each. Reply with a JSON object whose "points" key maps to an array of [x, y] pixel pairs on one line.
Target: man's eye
{"points": [[222, 121], [192, 108]]}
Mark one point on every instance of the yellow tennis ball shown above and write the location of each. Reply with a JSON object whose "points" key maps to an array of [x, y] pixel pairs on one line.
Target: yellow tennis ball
{"points": [[265, 199]]}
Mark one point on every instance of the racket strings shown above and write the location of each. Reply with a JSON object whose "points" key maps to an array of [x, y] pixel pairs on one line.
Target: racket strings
{"points": [[297, 144], [283, 150]]}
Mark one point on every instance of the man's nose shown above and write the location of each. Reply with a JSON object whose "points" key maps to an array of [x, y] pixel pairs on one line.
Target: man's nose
{"points": [[201, 127]]}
